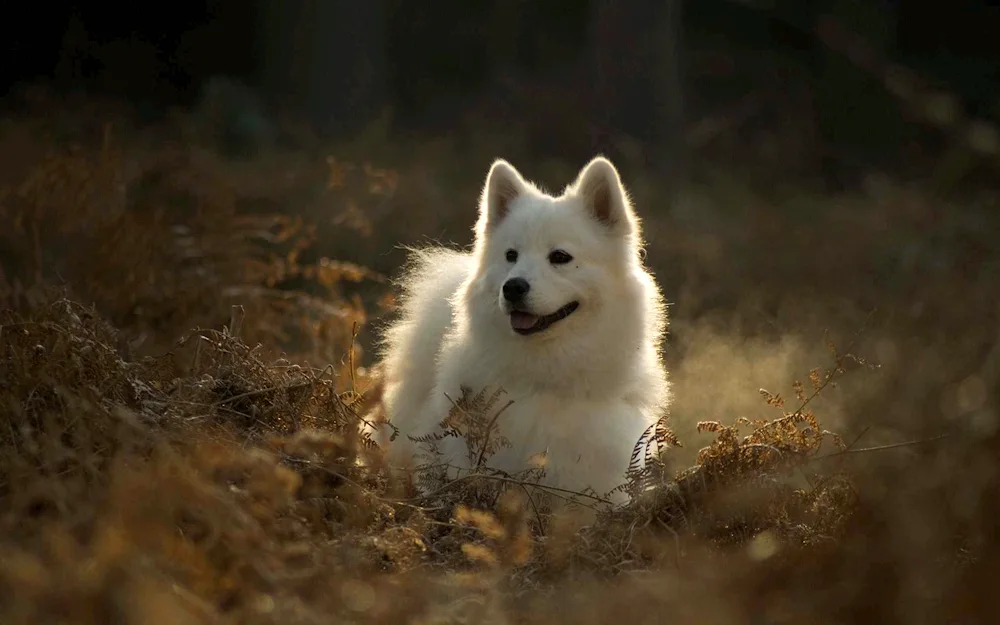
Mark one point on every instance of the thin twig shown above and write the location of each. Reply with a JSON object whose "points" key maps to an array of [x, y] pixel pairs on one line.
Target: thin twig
{"points": [[350, 355], [838, 364], [489, 427], [862, 450], [367, 491], [262, 391], [554, 490]]}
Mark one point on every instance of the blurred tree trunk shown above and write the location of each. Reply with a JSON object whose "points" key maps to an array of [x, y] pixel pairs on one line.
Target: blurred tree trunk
{"points": [[504, 37], [856, 116], [638, 82], [326, 59], [670, 39]]}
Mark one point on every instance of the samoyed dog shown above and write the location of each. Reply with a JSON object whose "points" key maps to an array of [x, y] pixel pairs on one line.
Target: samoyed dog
{"points": [[554, 306]]}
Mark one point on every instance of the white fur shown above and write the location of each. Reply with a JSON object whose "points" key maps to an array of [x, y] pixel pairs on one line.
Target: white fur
{"points": [[585, 388]]}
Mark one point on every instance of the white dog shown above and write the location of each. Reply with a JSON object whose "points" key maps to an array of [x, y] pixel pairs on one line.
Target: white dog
{"points": [[554, 306]]}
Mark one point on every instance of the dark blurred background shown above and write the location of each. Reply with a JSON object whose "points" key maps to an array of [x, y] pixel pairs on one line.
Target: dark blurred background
{"points": [[584, 74]]}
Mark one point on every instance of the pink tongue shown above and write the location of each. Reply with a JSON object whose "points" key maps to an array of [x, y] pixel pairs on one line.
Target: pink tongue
{"points": [[522, 320]]}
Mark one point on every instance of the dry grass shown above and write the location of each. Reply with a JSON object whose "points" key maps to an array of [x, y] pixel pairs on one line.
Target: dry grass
{"points": [[185, 448]]}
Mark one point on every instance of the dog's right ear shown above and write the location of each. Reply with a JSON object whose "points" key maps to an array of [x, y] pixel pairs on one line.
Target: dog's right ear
{"points": [[503, 185]]}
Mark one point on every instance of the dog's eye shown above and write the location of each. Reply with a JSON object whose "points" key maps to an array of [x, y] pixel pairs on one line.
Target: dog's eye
{"points": [[559, 257], [511, 256]]}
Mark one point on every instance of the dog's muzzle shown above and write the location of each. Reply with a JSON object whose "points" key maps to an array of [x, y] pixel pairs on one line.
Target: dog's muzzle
{"points": [[525, 323]]}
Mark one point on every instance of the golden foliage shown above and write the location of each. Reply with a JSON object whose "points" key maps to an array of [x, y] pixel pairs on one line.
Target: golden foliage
{"points": [[181, 449]]}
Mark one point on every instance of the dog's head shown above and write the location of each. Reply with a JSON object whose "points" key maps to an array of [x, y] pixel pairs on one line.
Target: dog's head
{"points": [[549, 259]]}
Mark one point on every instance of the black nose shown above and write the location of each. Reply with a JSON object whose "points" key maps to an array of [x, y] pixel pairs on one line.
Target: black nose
{"points": [[515, 289]]}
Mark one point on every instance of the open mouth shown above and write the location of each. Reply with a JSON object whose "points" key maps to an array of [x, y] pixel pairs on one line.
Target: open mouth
{"points": [[526, 323]]}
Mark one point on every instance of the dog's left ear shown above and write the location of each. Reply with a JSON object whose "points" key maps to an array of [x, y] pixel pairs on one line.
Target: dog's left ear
{"points": [[600, 189]]}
